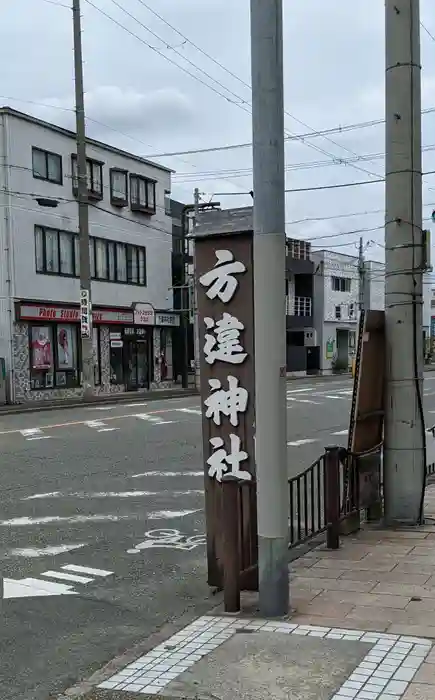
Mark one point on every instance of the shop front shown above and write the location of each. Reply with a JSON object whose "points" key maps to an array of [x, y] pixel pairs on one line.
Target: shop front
{"points": [[127, 356]]}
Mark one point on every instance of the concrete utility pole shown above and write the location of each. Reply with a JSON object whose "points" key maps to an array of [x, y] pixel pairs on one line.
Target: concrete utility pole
{"points": [[83, 209], [269, 304], [361, 275], [404, 447], [194, 302]]}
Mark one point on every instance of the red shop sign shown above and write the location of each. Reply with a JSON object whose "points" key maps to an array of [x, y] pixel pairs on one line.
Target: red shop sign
{"points": [[30, 312]]}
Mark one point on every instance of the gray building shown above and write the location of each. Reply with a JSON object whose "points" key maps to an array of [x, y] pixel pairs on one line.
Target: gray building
{"points": [[131, 264]]}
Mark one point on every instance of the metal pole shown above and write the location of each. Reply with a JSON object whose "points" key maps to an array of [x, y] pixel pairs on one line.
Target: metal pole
{"points": [[269, 304], [194, 301], [404, 446], [83, 211]]}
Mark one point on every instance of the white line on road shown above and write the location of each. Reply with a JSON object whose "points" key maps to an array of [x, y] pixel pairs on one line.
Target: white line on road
{"points": [[175, 474], [86, 570], [39, 437], [36, 552], [33, 587], [95, 424], [62, 576], [193, 411], [168, 514], [28, 432], [110, 494], [25, 521], [291, 398], [341, 432], [299, 443]]}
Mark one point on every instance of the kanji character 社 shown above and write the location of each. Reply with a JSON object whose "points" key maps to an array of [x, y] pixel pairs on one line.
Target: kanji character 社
{"points": [[224, 343], [220, 281], [226, 402], [219, 461]]}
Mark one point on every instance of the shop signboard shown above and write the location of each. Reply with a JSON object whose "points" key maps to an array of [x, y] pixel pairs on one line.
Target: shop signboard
{"points": [[144, 315]]}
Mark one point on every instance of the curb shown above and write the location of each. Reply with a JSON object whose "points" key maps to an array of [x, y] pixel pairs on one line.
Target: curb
{"points": [[39, 408]]}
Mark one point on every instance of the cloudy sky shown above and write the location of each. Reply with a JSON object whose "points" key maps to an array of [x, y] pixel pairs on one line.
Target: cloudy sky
{"points": [[164, 76]]}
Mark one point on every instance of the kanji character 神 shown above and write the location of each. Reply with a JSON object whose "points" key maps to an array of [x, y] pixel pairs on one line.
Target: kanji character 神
{"points": [[226, 402], [224, 343], [220, 460], [220, 281]]}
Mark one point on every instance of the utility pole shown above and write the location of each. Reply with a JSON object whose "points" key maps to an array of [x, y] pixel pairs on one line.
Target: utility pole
{"points": [[193, 298], [361, 276], [83, 211], [404, 446], [269, 304]]}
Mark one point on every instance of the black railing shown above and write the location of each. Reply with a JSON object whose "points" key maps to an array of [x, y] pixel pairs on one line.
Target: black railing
{"points": [[307, 504], [322, 497]]}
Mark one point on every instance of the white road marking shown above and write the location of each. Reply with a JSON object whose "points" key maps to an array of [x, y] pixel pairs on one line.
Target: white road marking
{"points": [[107, 430], [86, 570], [137, 476], [39, 437], [25, 521], [167, 514], [299, 391], [110, 494], [193, 411], [299, 443], [341, 432], [95, 424], [34, 588], [101, 408], [291, 398], [148, 417], [335, 396], [28, 432], [36, 552], [133, 405], [62, 576]]}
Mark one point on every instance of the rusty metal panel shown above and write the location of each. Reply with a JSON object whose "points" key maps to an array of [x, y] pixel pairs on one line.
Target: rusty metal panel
{"points": [[226, 342]]}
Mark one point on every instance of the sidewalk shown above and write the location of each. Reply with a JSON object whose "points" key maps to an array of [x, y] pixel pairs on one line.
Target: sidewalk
{"points": [[362, 628], [124, 397]]}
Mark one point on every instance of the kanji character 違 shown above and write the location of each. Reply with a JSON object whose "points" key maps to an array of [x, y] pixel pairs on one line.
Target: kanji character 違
{"points": [[220, 461], [224, 343], [226, 402], [220, 281]]}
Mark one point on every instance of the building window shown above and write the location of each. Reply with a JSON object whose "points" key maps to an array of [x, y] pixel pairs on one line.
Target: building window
{"points": [[118, 187], [142, 194], [168, 208], [338, 312], [55, 251], [47, 166], [54, 360], [351, 310], [341, 284], [94, 172], [58, 253]]}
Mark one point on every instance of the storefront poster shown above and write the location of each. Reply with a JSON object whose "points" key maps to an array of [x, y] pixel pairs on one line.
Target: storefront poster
{"points": [[329, 349], [65, 347], [42, 351]]}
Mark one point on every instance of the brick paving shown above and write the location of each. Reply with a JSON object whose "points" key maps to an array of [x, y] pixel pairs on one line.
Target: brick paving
{"points": [[379, 580]]}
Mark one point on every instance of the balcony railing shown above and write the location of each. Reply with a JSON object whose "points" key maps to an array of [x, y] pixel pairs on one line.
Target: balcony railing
{"points": [[299, 250], [299, 306]]}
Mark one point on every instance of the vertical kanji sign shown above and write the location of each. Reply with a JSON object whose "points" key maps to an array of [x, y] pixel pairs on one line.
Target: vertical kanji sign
{"points": [[224, 282]]}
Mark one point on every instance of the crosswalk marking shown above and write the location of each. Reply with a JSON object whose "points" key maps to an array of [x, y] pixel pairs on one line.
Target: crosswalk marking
{"points": [[86, 570], [63, 576]]}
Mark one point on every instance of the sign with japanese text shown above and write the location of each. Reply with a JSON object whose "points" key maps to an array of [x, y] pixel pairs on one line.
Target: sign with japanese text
{"points": [[225, 305], [224, 287], [85, 314], [144, 315]]}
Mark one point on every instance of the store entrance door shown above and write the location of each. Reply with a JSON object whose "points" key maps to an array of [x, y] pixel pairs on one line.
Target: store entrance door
{"points": [[137, 363]]}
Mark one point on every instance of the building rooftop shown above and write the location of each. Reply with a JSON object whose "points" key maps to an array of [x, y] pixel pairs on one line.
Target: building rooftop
{"points": [[9, 111]]}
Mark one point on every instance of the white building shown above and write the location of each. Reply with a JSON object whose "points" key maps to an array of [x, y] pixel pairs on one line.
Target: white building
{"points": [[336, 304], [131, 245]]}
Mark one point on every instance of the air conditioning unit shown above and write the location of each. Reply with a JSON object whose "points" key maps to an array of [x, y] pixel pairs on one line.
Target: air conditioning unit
{"points": [[310, 338]]}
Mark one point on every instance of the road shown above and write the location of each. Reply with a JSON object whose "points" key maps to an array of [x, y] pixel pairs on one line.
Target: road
{"points": [[83, 492]]}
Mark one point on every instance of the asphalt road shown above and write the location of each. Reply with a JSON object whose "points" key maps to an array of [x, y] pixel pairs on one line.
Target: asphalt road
{"points": [[83, 492]]}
